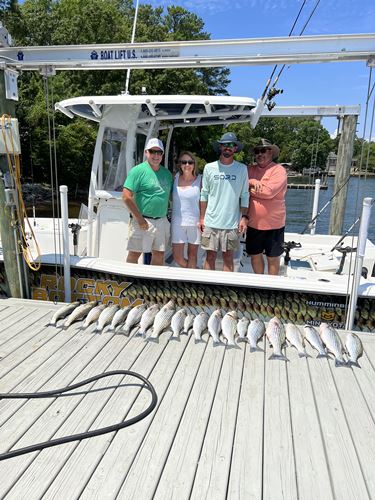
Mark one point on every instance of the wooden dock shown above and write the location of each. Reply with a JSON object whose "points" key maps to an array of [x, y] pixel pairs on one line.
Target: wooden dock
{"points": [[324, 187], [229, 424]]}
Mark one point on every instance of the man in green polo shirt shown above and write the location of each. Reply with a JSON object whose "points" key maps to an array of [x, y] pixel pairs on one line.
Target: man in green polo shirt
{"points": [[146, 193]]}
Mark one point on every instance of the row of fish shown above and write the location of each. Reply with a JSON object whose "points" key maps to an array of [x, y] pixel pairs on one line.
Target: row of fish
{"points": [[151, 321], [325, 340]]}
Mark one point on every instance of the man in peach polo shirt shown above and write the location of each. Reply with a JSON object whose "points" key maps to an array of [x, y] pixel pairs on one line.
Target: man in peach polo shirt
{"points": [[267, 213]]}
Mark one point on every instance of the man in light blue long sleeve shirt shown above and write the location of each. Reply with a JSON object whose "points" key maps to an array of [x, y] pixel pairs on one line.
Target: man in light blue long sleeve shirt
{"points": [[223, 204]]}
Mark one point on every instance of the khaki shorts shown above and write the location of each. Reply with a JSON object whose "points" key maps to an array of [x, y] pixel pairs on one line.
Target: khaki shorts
{"points": [[156, 237], [224, 239]]}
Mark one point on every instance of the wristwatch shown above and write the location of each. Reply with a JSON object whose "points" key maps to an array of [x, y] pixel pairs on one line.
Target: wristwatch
{"points": [[245, 216]]}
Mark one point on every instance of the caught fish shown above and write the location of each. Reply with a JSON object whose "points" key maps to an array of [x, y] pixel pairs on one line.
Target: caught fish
{"points": [[93, 315], [133, 318], [162, 320], [276, 336], [80, 312], [188, 323], [229, 327], [294, 337], [214, 326], [255, 332], [119, 317], [242, 326], [354, 348], [147, 319], [200, 325], [106, 316], [333, 342], [63, 312], [177, 323], [313, 338]]}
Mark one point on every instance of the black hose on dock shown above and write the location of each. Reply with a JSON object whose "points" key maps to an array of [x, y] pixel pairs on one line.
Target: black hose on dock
{"points": [[83, 435]]}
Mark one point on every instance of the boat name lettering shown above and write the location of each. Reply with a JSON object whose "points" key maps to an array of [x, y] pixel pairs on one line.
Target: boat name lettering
{"points": [[107, 291], [332, 305]]}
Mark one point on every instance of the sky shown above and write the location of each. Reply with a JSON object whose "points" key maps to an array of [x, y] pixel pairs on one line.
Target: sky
{"points": [[344, 83]]}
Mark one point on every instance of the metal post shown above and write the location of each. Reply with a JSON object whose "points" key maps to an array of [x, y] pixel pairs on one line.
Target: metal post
{"points": [[361, 247], [65, 238], [315, 206]]}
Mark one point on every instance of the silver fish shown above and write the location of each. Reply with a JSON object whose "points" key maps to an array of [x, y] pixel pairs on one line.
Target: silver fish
{"points": [[162, 321], [255, 332], [188, 323], [333, 342], [313, 338], [106, 316], [133, 318], [214, 326], [242, 326], [63, 312], [294, 337], [147, 319], [119, 317], [80, 312], [200, 325], [354, 348], [229, 327], [276, 336], [93, 315], [177, 323]]}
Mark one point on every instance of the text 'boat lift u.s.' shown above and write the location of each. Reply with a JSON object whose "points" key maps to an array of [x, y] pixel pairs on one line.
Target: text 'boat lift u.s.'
{"points": [[314, 284]]}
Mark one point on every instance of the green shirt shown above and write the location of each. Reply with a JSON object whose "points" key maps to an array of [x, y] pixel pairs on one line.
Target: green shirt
{"points": [[151, 189]]}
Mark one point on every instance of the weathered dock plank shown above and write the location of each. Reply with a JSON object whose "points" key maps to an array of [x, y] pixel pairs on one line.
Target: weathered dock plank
{"points": [[229, 424]]}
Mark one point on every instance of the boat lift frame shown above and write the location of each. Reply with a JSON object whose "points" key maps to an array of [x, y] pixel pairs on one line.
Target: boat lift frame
{"points": [[186, 54], [191, 54]]}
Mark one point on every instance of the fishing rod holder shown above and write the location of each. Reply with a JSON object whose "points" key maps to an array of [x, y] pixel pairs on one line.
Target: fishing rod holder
{"points": [[287, 247], [343, 251], [75, 228]]}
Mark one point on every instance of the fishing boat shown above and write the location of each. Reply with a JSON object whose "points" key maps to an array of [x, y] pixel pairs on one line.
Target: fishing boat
{"points": [[317, 272]]}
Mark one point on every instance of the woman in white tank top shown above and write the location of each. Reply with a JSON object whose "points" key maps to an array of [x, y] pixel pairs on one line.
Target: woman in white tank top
{"points": [[185, 211]]}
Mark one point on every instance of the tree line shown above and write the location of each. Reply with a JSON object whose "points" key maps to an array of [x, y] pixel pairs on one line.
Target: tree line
{"points": [[68, 22]]}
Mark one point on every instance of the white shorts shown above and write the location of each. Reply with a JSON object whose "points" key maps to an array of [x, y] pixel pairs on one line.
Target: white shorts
{"points": [[156, 237], [186, 234]]}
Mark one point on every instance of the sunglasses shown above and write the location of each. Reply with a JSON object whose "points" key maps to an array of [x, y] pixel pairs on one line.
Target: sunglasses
{"points": [[186, 162], [229, 144], [155, 152], [260, 150]]}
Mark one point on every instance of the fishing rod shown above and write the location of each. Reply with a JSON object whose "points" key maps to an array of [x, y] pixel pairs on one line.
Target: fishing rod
{"points": [[273, 91], [309, 224], [274, 68]]}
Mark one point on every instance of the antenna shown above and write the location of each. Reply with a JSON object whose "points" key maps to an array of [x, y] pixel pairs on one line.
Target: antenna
{"points": [[131, 41]]}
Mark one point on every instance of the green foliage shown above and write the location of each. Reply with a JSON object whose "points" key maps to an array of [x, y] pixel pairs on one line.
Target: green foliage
{"points": [[64, 22]]}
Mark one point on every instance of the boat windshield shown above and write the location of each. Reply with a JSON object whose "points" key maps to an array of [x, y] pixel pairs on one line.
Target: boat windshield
{"points": [[111, 175]]}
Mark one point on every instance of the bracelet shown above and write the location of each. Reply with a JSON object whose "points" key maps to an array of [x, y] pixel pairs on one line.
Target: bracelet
{"points": [[245, 216]]}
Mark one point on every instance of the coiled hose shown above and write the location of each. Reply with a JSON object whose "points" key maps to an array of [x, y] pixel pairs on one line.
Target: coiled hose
{"points": [[83, 435]]}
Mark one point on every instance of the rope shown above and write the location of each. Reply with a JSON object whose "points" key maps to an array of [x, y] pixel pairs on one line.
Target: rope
{"points": [[15, 172], [53, 177], [82, 435]]}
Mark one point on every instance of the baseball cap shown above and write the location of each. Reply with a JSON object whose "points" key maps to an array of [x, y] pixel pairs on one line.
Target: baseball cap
{"points": [[154, 143]]}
